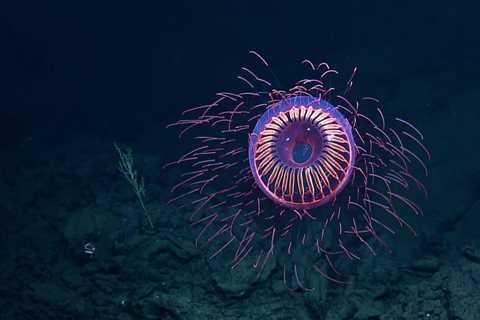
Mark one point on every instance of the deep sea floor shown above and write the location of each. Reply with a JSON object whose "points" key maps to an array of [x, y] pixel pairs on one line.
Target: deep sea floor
{"points": [[74, 244]]}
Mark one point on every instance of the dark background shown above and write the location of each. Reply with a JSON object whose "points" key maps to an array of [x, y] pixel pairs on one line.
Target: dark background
{"points": [[122, 69], [76, 76]]}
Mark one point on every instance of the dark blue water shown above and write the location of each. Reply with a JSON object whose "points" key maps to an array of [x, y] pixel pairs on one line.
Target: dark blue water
{"points": [[88, 232]]}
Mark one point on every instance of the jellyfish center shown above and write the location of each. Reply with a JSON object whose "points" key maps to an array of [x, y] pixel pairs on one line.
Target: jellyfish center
{"points": [[299, 144], [301, 152]]}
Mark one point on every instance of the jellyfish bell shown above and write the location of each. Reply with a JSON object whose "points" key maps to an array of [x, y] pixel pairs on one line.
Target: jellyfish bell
{"points": [[301, 152]]}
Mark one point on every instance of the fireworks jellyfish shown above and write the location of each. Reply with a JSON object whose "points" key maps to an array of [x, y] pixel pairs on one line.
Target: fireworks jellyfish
{"points": [[300, 177]]}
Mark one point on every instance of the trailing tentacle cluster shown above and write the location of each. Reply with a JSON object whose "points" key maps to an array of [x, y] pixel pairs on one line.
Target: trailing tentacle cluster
{"points": [[297, 176]]}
